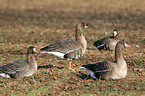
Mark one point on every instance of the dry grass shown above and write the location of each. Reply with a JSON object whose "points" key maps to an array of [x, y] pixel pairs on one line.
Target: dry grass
{"points": [[42, 22]]}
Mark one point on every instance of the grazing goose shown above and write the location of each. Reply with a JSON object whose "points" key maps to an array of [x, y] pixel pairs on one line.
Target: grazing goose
{"points": [[109, 69], [108, 43], [69, 48], [20, 68]]}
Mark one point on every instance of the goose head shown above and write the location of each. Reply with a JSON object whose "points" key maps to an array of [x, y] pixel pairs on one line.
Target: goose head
{"points": [[122, 45], [31, 50], [115, 33], [81, 26]]}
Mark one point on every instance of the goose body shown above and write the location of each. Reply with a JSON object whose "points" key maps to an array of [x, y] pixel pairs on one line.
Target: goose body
{"points": [[20, 68], [69, 48], [65, 49], [109, 69], [107, 43]]}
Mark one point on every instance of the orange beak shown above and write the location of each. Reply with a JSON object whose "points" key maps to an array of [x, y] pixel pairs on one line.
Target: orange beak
{"points": [[86, 26], [126, 45]]}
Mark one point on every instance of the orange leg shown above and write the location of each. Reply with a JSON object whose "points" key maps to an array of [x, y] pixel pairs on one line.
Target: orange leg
{"points": [[69, 65]]}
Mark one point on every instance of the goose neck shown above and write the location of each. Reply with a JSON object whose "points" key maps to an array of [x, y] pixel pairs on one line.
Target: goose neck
{"points": [[80, 38], [31, 59], [78, 33], [118, 54]]}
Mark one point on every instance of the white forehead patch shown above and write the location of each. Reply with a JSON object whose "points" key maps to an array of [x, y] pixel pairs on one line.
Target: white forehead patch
{"points": [[115, 33], [58, 54], [34, 49], [125, 44]]}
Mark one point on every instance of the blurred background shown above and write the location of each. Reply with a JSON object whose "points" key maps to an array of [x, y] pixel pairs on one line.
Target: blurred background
{"points": [[98, 13], [101, 15]]}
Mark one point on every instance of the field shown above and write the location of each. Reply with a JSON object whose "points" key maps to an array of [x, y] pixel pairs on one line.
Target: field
{"points": [[41, 22]]}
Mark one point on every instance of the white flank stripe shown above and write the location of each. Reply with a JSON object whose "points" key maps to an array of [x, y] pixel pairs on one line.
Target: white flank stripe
{"points": [[104, 70], [82, 67], [4, 75], [100, 45], [91, 74], [58, 54]]}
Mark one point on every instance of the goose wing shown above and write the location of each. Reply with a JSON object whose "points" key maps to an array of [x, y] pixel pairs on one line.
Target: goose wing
{"points": [[100, 66], [13, 67], [102, 43], [64, 46]]}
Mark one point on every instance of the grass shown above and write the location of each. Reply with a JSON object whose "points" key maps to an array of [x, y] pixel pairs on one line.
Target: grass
{"points": [[42, 22]]}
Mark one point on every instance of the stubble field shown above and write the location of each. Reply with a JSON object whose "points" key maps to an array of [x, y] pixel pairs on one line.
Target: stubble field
{"points": [[42, 22]]}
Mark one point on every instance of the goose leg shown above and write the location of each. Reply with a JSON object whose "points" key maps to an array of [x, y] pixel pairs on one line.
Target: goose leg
{"points": [[70, 65]]}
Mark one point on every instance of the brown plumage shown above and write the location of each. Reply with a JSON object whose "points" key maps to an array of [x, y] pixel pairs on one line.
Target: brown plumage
{"points": [[20, 68], [69, 48], [109, 69], [107, 43]]}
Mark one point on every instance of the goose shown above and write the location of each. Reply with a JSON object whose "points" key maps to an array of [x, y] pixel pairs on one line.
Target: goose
{"points": [[69, 48], [20, 68], [109, 69], [107, 43]]}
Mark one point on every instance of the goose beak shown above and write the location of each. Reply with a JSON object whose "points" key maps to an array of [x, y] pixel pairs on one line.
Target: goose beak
{"points": [[86, 26], [126, 45], [36, 51]]}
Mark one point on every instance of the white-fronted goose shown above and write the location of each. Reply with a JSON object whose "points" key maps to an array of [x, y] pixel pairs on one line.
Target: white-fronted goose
{"points": [[109, 69], [69, 48], [20, 68], [108, 43]]}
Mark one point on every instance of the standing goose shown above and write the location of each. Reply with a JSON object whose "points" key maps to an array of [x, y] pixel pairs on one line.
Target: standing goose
{"points": [[107, 43], [109, 69], [20, 68], [69, 48]]}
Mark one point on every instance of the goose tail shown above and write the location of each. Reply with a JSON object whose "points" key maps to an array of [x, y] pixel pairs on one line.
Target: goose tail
{"points": [[83, 66]]}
